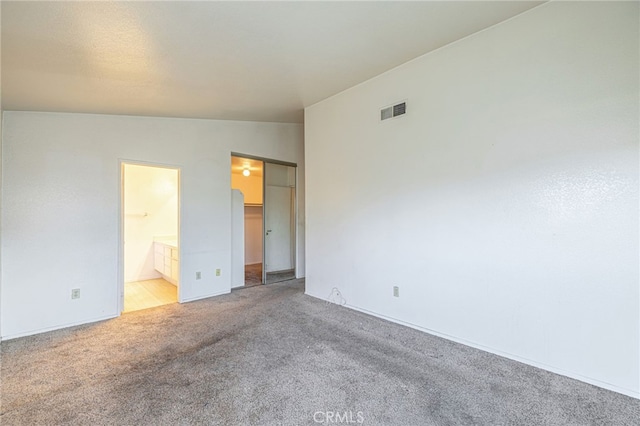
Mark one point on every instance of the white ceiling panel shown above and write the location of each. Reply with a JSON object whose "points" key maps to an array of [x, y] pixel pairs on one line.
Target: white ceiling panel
{"points": [[262, 61]]}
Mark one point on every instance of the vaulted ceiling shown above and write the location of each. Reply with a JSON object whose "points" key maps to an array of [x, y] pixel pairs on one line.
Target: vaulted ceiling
{"points": [[262, 61]]}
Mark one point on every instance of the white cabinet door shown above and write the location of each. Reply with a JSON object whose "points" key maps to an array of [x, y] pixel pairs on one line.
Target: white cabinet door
{"points": [[158, 262]]}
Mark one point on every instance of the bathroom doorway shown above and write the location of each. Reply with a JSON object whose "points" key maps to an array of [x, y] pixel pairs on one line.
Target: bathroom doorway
{"points": [[149, 235]]}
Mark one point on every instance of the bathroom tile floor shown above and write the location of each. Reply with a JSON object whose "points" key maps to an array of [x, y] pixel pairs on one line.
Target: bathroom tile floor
{"points": [[148, 294]]}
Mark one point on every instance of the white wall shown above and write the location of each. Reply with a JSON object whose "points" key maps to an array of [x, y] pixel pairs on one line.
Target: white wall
{"points": [[237, 238], [1, 115], [150, 210], [1, 118], [504, 204], [62, 181]]}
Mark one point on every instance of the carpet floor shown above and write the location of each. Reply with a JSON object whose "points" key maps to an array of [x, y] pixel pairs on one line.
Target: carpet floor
{"points": [[269, 355]]}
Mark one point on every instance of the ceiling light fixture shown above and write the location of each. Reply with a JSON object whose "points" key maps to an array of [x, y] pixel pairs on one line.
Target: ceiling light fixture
{"points": [[246, 172]]}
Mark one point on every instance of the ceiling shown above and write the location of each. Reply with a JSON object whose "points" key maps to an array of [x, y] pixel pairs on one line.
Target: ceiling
{"points": [[259, 61]]}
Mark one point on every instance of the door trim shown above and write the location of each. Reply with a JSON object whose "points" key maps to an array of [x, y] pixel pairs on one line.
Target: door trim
{"points": [[263, 159]]}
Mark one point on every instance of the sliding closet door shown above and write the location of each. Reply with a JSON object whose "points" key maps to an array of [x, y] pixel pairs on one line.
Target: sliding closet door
{"points": [[279, 217]]}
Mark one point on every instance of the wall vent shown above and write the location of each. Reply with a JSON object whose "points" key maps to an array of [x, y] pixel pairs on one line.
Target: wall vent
{"points": [[393, 111], [399, 109]]}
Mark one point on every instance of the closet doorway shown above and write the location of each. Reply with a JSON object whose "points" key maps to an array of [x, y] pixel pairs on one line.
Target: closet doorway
{"points": [[247, 176], [268, 214], [149, 236]]}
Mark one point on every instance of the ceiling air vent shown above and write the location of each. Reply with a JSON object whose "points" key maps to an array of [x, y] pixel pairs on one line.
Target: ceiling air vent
{"points": [[393, 111]]}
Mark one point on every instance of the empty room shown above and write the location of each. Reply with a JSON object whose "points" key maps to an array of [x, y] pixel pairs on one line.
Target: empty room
{"points": [[325, 212]]}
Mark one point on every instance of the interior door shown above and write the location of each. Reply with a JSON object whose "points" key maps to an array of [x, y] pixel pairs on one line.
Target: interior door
{"points": [[279, 217]]}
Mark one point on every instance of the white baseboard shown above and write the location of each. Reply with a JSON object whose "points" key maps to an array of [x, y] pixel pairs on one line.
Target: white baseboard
{"points": [[193, 299], [169, 279], [145, 277], [92, 320], [560, 371], [56, 327]]}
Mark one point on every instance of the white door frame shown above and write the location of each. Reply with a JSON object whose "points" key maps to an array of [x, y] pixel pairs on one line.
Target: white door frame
{"points": [[120, 286], [295, 206]]}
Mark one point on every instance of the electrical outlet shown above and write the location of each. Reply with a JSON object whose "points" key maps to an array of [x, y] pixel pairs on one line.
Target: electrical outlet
{"points": [[217, 272], [75, 293], [198, 275], [396, 291]]}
